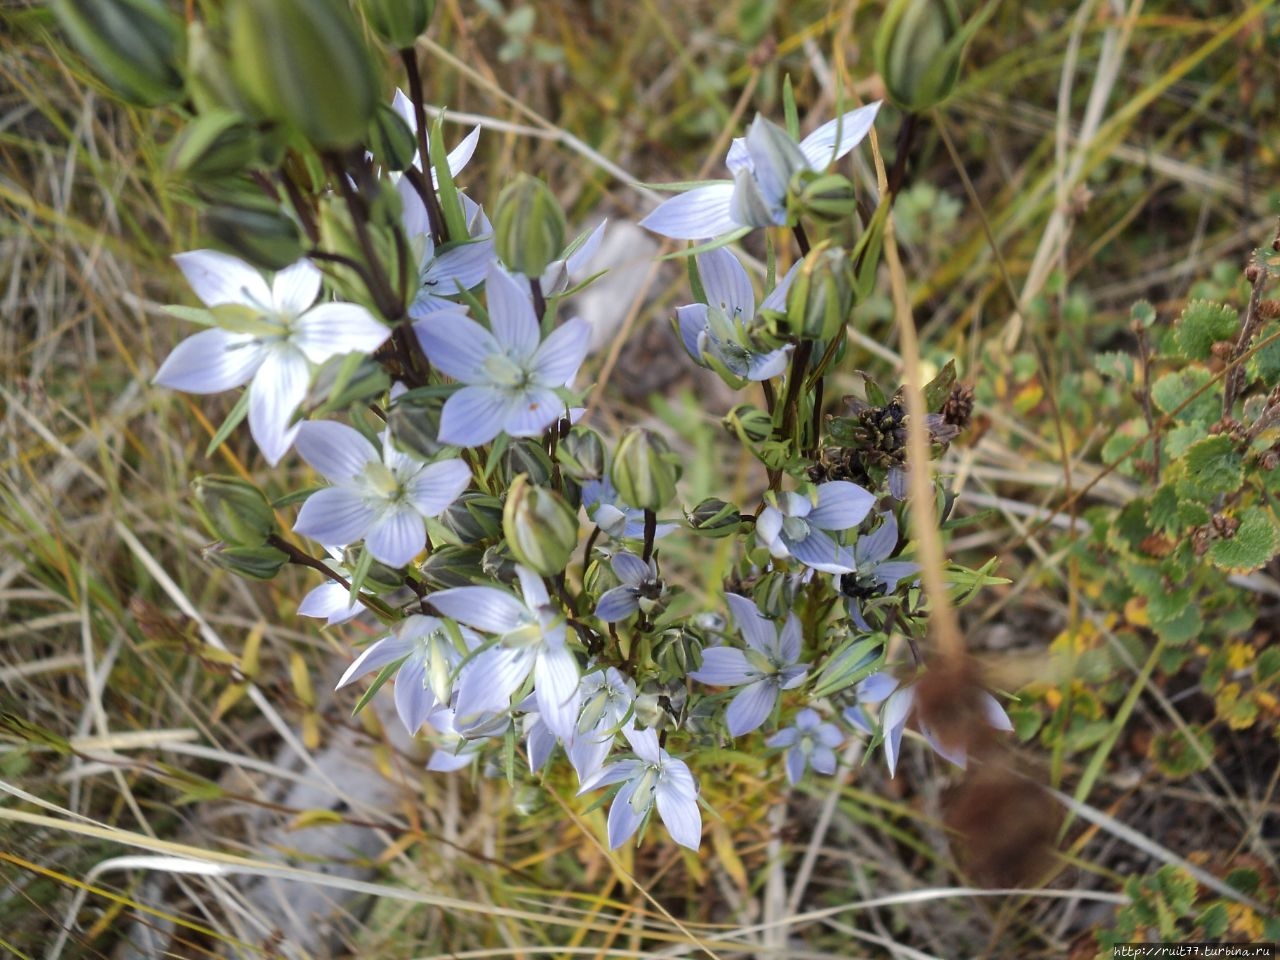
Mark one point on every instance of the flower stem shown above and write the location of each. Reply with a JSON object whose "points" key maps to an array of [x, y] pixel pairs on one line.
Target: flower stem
{"points": [[435, 216]]}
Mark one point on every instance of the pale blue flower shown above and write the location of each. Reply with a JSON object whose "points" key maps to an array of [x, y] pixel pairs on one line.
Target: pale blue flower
{"points": [[608, 702], [652, 778], [898, 709], [768, 666], [617, 519], [641, 588], [810, 743], [870, 690], [331, 601], [270, 338], [531, 639], [718, 331], [512, 377], [383, 499], [876, 573], [429, 658], [762, 165], [793, 525]]}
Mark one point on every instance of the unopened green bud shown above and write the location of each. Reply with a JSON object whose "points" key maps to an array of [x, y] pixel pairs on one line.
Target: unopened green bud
{"points": [[255, 230], [399, 22], [451, 566], [214, 145], [390, 140], [918, 49], [252, 563], [824, 197], [305, 63], [644, 470], [135, 47], [416, 426], [339, 235], [677, 653], [581, 455], [541, 529], [822, 294], [473, 517], [209, 80], [234, 510], [751, 424], [528, 226], [527, 457], [714, 518], [775, 594]]}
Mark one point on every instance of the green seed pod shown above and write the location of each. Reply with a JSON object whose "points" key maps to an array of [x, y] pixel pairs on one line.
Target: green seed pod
{"points": [[416, 426], [451, 566], [751, 424], [526, 456], [399, 22], [305, 63], [252, 563], [824, 197], [390, 140], [214, 145], [581, 455], [255, 230], [135, 47], [714, 518], [234, 510], [540, 528], [918, 50], [528, 226], [822, 295], [644, 470], [677, 653]]}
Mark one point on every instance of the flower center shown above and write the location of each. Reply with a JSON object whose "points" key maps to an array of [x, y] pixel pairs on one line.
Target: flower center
{"points": [[795, 528], [382, 482], [505, 372]]}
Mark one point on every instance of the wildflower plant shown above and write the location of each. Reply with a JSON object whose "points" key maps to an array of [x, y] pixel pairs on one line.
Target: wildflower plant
{"points": [[410, 347]]}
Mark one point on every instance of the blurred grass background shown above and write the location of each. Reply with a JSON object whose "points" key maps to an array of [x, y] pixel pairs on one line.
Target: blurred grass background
{"points": [[1096, 153]]}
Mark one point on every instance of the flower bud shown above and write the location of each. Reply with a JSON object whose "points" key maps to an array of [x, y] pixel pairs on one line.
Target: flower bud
{"points": [[918, 49], [644, 470], [473, 517], [305, 63], [209, 79], [252, 563], [528, 226], [822, 294], [760, 189], [255, 230], [824, 197], [751, 424], [213, 145], [416, 426], [527, 456], [541, 529], [234, 510], [389, 139], [714, 518], [451, 566], [676, 653], [581, 455], [399, 22], [135, 47]]}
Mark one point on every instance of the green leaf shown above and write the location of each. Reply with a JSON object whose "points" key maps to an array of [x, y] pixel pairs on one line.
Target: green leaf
{"points": [[1252, 546], [1211, 466], [1202, 324], [1124, 441], [1187, 625], [938, 389], [1177, 756], [385, 674], [1265, 364], [1143, 312], [450, 202], [1162, 510], [1115, 365], [1175, 392], [237, 414], [1267, 667]]}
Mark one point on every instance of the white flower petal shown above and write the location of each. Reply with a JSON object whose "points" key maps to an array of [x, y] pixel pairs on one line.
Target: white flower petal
{"points": [[333, 329], [511, 315], [219, 278], [995, 713], [335, 515], [677, 802], [463, 266], [494, 676], [278, 387], [295, 288], [338, 452], [751, 707], [414, 700], [795, 765], [699, 214], [840, 505], [330, 602], [624, 819], [692, 321], [819, 551], [788, 642], [485, 608], [397, 535], [834, 139], [459, 156], [531, 413], [644, 742], [475, 415], [726, 283], [724, 667], [555, 676], [777, 298], [457, 345], [759, 632], [211, 361], [617, 604], [437, 485], [630, 569], [375, 656], [557, 360]]}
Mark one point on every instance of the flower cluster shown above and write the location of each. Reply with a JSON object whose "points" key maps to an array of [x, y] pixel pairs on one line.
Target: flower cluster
{"points": [[411, 348]]}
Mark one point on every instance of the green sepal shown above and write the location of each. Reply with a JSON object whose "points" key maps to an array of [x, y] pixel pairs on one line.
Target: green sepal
{"points": [[455, 220], [237, 414], [385, 674]]}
